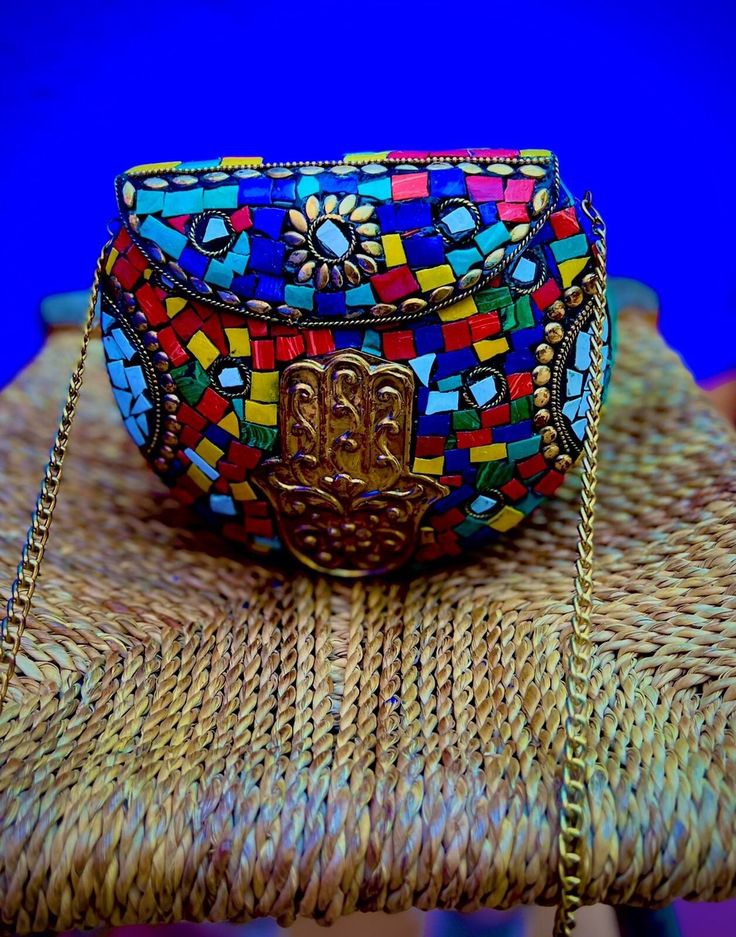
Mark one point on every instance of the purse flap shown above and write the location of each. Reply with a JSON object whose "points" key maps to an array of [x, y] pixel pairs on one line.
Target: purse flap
{"points": [[374, 237]]}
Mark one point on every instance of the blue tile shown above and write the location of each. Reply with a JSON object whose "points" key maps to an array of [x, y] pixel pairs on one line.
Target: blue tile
{"points": [[193, 262], [404, 216], [283, 190], [454, 362], [266, 256], [428, 338], [269, 221], [270, 289], [331, 304], [513, 432], [424, 250], [447, 182], [456, 461], [434, 424], [255, 191]]}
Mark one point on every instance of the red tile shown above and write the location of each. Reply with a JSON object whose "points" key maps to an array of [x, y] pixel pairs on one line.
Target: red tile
{"points": [[189, 438], [519, 190], [264, 358], [564, 222], [546, 294], [186, 323], [514, 490], [394, 284], [289, 347], [449, 519], [174, 351], [466, 439], [520, 384], [484, 324], [533, 466], [179, 222], [241, 219], [125, 272], [485, 188], [430, 446], [399, 345], [410, 185], [240, 454], [496, 416], [185, 414], [513, 211], [452, 481], [549, 483], [148, 300], [212, 405], [231, 471], [456, 335], [136, 258], [257, 328], [320, 342]]}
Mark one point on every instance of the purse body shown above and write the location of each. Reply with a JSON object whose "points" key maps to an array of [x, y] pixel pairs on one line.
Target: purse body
{"points": [[370, 362]]}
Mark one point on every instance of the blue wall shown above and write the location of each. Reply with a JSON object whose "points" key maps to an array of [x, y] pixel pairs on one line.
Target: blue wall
{"points": [[637, 99]]}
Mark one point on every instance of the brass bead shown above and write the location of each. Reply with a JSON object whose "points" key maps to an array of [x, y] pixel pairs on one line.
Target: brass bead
{"points": [[548, 434], [541, 397], [170, 439], [563, 463], [541, 374], [589, 283], [540, 201], [554, 332], [541, 418], [544, 353], [551, 452], [574, 296], [557, 310]]}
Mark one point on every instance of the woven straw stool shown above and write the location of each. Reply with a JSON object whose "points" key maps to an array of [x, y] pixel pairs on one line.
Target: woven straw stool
{"points": [[191, 735]]}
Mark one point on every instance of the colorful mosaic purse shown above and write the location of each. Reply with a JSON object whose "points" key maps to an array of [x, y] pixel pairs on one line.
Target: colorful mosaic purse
{"points": [[366, 362]]}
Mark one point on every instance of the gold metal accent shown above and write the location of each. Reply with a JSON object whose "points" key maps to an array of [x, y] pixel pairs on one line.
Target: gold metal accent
{"points": [[345, 499], [571, 840], [541, 374]]}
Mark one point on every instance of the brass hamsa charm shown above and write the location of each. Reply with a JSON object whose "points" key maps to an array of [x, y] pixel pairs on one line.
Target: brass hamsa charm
{"points": [[344, 496]]}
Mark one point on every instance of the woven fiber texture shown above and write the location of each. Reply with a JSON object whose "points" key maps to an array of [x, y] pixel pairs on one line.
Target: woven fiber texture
{"points": [[191, 735]]}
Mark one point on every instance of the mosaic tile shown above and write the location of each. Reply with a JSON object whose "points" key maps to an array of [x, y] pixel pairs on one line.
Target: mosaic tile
{"points": [[470, 268]]}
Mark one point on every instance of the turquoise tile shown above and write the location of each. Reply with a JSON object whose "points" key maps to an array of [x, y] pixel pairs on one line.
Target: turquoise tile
{"points": [[360, 296], [168, 239], [569, 248], [491, 238], [462, 260], [307, 185], [376, 188], [148, 201], [188, 202], [225, 196], [219, 274], [523, 448], [371, 343], [300, 297], [235, 262]]}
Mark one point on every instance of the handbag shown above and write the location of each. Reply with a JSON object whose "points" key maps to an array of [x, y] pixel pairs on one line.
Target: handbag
{"points": [[385, 360]]}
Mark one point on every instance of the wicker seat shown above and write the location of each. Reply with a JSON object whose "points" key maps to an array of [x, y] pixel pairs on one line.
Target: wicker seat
{"points": [[191, 735]]}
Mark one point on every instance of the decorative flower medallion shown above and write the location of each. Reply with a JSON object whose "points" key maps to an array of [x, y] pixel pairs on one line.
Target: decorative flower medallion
{"points": [[335, 242]]}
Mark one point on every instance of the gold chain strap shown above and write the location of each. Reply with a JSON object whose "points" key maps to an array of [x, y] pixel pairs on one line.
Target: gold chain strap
{"points": [[572, 795], [13, 624]]}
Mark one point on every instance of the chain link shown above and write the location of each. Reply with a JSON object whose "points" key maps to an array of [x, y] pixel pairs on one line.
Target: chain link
{"points": [[13, 624], [572, 795]]}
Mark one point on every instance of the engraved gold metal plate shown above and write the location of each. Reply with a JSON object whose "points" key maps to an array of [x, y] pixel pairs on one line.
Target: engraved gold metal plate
{"points": [[345, 498]]}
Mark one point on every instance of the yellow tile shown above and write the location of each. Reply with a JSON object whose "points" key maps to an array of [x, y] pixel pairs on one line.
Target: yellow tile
{"points": [[154, 167], [264, 386], [491, 453], [435, 276], [434, 466], [199, 478], [526, 153], [111, 258], [466, 307], [569, 269], [209, 452], [239, 342], [490, 347], [202, 349], [230, 424], [174, 305], [232, 162], [242, 491], [506, 518], [365, 157], [263, 413], [393, 250]]}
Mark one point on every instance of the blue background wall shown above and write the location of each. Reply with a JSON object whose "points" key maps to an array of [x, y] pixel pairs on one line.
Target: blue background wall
{"points": [[635, 97]]}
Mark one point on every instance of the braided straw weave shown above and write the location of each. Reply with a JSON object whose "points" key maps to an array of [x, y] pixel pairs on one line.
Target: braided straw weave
{"points": [[191, 735]]}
